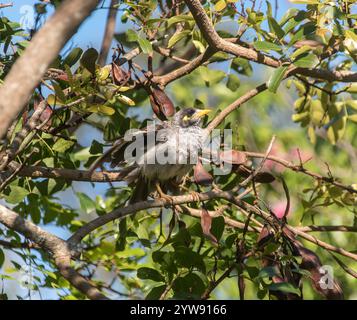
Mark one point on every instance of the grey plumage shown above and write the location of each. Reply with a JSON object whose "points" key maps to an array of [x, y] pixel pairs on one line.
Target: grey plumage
{"points": [[169, 158]]}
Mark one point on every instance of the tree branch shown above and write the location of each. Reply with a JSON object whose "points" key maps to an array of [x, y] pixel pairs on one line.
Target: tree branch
{"points": [[5, 5], [28, 70], [109, 32], [149, 204], [67, 174], [216, 42], [299, 168], [235, 105], [57, 247]]}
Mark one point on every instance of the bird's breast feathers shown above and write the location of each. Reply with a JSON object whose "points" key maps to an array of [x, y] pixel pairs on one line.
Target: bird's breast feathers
{"points": [[175, 156]]}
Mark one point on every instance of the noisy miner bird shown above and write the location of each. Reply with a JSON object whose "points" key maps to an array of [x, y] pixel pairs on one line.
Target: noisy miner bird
{"points": [[162, 161]]}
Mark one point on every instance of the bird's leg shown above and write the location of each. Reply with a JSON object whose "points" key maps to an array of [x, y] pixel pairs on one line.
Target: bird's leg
{"points": [[162, 194], [194, 194]]}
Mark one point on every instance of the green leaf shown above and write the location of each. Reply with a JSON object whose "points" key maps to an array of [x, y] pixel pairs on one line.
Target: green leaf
{"points": [[73, 57], [86, 203], [217, 227], [148, 273], [58, 90], [275, 28], [242, 66], [266, 46], [233, 82], [276, 78], [268, 272], [17, 194], [199, 46], [62, 145], [190, 286], [300, 51], [292, 12], [2, 257], [306, 60], [337, 129], [89, 59], [177, 37], [284, 287], [145, 45], [305, 30], [179, 18], [211, 76], [131, 35], [187, 258], [96, 147], [155, 293]]}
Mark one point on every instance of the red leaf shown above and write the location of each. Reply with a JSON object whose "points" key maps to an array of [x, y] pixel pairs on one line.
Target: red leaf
{"points": [[63, 77], [201, 176], [206, 223], [233, 157], [119, 75], [161, 104]]}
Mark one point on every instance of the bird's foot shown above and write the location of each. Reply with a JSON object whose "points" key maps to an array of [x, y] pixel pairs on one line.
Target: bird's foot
{"points": [[163, 195], [196, 196], [167, 198]]}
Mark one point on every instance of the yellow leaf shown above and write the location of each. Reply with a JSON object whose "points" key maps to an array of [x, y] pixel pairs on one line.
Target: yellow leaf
{"points": [[337, 129], [106, 110], [220, 5], [125, 100], [93, 108], [103, 73], [123, 89], [52, 100], [317, 113], [300, 116], [312, 135], [353, 117]]}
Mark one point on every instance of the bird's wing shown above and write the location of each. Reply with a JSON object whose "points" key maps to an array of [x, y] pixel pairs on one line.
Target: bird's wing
{"points": [[115, 154]]}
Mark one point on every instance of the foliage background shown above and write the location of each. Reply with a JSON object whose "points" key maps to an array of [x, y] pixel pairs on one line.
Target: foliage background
{"points": [[266, 115]]}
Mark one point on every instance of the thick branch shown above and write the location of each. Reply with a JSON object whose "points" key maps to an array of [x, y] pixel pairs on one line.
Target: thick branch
{"points": [[109, 32], [131, 209], [67, 174], [57, 247], [184, 70], [28, 70], [5, 5], [216, 42]]}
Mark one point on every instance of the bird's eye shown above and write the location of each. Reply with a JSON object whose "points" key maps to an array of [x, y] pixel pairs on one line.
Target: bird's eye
{"points": [[186, 118]]}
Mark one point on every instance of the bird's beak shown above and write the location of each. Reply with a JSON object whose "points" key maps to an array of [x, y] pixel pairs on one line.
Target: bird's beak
{"points": [[201, 113]]}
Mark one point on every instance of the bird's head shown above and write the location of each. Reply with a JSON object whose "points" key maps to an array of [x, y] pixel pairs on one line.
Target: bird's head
{"points": [[189, 117]]}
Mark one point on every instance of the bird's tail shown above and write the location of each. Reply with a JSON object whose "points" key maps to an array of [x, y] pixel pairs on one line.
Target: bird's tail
{"points": [[141, 190]]}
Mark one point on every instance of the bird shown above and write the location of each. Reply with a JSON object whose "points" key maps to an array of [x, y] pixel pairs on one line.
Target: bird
{"points": [[158, 156]]}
